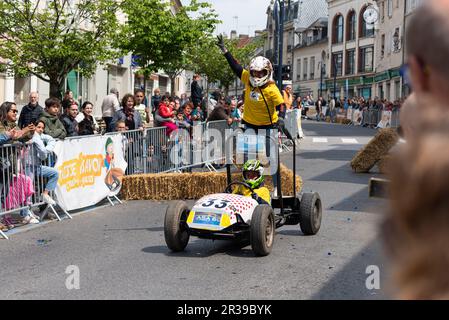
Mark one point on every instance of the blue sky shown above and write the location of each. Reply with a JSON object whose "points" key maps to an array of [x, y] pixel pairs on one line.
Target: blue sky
{"points": [[251, 15]]}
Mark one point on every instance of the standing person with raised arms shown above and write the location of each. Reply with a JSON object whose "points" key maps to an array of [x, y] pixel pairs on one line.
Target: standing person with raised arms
{"points": [[262, 96]]}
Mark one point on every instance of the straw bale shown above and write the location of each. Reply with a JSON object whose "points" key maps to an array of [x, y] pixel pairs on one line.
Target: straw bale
{"points": [[172, 186], [378, 147]]}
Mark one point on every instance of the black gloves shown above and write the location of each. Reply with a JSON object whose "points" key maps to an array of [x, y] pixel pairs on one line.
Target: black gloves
{"points": [[220, 43]]}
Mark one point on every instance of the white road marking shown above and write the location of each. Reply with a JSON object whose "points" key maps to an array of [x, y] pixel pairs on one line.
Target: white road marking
{"points": [[351, 140], [320, 140]]}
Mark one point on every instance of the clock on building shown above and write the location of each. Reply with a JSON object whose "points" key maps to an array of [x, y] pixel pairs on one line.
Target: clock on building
{"points": [[371, 15]]}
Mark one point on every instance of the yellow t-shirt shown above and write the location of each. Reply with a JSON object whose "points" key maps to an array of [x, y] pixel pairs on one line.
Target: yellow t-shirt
{"points": [[255, 109], [262, 192]]}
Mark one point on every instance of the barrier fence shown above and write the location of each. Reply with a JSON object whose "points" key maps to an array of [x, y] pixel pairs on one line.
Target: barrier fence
{"points": [[376, 118]]}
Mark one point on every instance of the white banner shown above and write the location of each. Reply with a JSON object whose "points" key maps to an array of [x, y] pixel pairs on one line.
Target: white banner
{"points": [[90, 169], [385, 122]]}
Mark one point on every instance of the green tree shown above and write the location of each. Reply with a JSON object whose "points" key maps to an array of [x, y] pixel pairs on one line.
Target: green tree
{"points": [[160, 39], [208, 60], [51, 40]]}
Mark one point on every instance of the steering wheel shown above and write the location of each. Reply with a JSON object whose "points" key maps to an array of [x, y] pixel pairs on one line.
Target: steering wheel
{"points": [[229, 189]]}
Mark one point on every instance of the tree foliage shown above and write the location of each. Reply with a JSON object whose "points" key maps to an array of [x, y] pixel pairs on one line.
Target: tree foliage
{"points": [[208, 60], [50, 39], [161, 39]]}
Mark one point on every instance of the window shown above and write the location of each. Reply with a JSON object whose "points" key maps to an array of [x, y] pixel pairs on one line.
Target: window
{"points": [[382, 12], [397, 90], [396, 40], [390, 8], [312, 68], [365, 30], [306, 62], [351, 26], [337, 64], [350, 62], [366, 59], [298, 69], [338, 29], [382, 46]]}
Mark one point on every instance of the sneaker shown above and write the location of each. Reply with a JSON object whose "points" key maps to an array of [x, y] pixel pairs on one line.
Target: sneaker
{"points": [[48, 199], [34, 215], [30, 220]]}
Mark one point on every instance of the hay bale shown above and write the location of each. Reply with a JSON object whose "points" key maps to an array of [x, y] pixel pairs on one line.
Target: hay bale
{"points": [[171, 186], [378, 147]]}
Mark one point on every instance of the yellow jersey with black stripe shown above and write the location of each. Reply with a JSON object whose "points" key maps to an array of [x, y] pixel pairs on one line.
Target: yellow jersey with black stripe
{"points": [[262, 192], [255, 111]]}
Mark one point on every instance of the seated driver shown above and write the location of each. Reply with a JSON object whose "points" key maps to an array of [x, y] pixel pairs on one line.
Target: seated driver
{"points": [[253, 176]]}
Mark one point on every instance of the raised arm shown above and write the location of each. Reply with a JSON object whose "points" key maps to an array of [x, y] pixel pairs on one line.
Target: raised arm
{"points": [[235, 66]]}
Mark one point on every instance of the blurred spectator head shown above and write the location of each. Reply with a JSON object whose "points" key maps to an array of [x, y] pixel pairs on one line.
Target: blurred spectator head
{"points": [[120, 126], [68, 95], [87, 108], [165, 99], [40, 126], [157, 91], [429, 69], [188, 108], [416, 229], [34, 98], [196, 77], [114, 91], [72, 111], [177, 104], [8, 112], [180, 116], [52, 106], [139, 95], [128, 102]]}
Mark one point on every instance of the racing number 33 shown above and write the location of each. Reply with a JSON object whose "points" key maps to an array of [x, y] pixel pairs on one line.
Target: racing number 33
{"points": [[220, 203]]}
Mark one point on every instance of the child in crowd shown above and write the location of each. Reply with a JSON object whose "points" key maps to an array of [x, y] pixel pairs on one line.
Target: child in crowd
{"points": [[166, 111]]}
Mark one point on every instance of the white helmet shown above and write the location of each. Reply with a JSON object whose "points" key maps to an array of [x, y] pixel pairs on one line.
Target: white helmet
{"points": [[260, 64]]}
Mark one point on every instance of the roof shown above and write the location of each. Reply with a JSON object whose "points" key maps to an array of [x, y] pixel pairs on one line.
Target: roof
{"points": [[309, 12]]}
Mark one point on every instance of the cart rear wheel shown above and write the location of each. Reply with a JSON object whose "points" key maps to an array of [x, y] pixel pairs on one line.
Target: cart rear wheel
{"points": [[262, 230], [310, 213], [176, 231]]}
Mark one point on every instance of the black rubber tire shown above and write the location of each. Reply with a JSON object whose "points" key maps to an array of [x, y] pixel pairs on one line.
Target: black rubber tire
{"points": [[310, 213], [175, 226], [262, 230]]}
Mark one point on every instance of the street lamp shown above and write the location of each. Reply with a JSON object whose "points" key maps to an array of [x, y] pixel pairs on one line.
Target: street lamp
{"points": [[323, 57], [334, 59]]}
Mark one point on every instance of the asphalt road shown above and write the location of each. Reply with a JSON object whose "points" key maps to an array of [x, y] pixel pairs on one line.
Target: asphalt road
{"points": [[121, 253]]}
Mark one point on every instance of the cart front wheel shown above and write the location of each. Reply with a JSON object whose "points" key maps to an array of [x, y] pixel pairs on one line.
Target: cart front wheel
{"points": [[176, 231], [262, 230]]}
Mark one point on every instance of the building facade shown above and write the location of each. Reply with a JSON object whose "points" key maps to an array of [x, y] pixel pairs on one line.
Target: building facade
{"points": [[310, 53], [352, 48], [389, 50]]}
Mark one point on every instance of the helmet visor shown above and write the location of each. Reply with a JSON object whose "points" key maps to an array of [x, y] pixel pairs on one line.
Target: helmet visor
{"points": [[259, 73], [251, 175]]}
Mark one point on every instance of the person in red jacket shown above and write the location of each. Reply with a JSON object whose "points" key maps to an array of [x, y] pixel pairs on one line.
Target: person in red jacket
{"points": [[165, 111]]}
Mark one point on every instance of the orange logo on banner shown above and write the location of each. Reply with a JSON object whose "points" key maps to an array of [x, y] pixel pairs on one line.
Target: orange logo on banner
{"points": [[81, 172]]}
